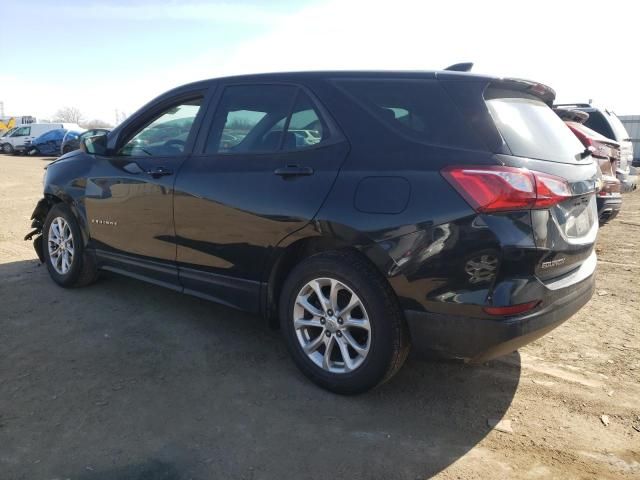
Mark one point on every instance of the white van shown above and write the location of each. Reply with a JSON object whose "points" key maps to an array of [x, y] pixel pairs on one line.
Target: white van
{"points": [[21, 136]]}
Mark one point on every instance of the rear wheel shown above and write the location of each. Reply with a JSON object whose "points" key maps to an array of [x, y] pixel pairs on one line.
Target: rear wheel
{"points": [[68, 262], [342, 323]]}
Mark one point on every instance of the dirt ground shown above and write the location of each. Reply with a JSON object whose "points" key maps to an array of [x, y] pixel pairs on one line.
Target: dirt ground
{"points": [[124, 380]]}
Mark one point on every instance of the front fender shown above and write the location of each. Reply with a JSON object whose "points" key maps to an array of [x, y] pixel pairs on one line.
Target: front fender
{"points": [[37, 222]]}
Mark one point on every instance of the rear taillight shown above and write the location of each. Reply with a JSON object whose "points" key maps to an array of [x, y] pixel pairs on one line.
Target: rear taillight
{"points": [[598, 149], [583, 137], [496, 188]]}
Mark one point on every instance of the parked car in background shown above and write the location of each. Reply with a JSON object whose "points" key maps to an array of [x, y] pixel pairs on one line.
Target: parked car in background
{"points": [[48, 143], [10, 122], [22, 136], [307, 137], [4, 134], [606, 123], [606, 153], [72, 139], [468, 238]]}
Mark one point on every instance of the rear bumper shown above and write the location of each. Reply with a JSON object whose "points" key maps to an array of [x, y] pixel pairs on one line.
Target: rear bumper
{"points": [[608, 207], [481, 339], [629, 181]]}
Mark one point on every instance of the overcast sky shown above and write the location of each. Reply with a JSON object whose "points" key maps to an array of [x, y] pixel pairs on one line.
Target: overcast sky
{"points": [[101, 56]]}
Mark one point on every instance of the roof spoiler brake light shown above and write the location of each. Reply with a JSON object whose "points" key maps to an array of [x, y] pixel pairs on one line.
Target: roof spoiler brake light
{"points": [[460, 67]]}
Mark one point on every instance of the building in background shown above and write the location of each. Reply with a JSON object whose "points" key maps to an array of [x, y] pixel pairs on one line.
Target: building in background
{"points": [[632, 125]]}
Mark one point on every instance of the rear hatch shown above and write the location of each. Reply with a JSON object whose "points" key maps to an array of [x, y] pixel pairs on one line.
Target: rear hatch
{"points": [[622, 136], [608, 124], [538, 140], [605, 150]]}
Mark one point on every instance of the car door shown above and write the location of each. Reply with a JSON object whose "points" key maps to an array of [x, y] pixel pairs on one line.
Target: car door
{"points": [[129, 193], [47, 142], [20, 136], [252, 183]]}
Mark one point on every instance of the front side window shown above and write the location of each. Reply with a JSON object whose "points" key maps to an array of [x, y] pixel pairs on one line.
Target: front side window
{"points": [[166, 134], [22, 132], [263, 119], [71, 135]]}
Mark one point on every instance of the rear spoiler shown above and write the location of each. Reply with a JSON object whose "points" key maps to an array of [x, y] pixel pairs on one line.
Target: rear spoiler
{"points": [[460, 67], [543, 92]]}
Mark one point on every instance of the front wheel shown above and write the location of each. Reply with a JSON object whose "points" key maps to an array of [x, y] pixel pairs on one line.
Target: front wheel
{"points": [[69, 264], [7, 148], [342, 323]]}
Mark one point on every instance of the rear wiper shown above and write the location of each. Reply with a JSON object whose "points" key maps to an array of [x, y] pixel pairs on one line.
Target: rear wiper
{"points": [[587, 152]]}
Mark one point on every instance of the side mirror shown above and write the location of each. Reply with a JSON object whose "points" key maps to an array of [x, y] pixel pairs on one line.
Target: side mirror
{"points": [[94, 145]]}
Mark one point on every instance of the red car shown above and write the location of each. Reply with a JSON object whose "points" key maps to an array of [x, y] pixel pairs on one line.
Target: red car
{"points": [[606, 152]]}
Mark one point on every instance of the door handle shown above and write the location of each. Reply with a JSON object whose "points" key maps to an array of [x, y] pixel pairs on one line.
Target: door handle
{"points": [[159, 172], [293, 171]]}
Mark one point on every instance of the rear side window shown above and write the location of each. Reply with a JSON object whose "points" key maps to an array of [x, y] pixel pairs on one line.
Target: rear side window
{"points": [[419, 109], [264, 119], [530, 128]]}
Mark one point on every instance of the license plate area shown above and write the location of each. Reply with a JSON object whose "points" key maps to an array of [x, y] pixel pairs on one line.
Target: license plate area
{"points": [[577, 217]]}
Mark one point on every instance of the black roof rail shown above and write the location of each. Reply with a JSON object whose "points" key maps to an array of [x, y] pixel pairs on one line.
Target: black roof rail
{"points": [[460, 67]]}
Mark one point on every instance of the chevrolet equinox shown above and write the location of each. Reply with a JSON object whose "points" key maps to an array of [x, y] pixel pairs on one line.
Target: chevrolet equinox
{"points": [[358, 211]]}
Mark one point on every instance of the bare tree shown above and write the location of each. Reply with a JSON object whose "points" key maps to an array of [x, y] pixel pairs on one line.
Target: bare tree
{"points": [[69, 115], [95, 123]]}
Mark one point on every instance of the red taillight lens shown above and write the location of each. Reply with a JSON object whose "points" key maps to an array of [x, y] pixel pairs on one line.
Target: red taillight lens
{"points": [[494, 189], [598, 149], [550, 190], [512, 309], [583, 137]]}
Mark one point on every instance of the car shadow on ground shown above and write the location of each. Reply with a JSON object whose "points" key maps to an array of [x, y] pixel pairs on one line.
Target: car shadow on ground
{"points": [[124, 380]]}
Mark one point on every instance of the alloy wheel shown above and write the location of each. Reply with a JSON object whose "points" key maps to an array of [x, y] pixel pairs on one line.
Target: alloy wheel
{"points": [[332, 325], [60, 245]]}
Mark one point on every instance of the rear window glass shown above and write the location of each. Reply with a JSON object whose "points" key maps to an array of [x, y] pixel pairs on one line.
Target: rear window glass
{"points": [[597, 122], [419, 109], [618, 128], [530, 128]]}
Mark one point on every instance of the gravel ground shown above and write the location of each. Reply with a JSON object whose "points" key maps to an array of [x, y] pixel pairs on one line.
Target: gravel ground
{"points": [[124, 380]]}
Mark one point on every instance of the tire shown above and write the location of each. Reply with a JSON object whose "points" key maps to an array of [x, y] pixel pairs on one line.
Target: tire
{"points": [[7, 148], [381, 349], [80, 265], [66, 149]]}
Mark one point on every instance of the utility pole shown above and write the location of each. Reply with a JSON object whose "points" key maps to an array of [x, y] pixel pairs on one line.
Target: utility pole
{"points": [[1, 108]]}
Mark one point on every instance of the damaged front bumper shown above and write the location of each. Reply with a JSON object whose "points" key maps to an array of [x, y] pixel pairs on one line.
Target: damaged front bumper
{"points": [[38, 216]]}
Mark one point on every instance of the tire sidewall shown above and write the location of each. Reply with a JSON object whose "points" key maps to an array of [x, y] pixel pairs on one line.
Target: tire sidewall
{"points": [[69, 278], [374, 367]]}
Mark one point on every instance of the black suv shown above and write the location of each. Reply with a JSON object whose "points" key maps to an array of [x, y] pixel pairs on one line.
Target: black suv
{"points": [[359, 211]]}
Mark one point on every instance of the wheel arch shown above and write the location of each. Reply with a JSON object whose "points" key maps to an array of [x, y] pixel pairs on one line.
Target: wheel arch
{"points": [[304, 244], [43, 207]]}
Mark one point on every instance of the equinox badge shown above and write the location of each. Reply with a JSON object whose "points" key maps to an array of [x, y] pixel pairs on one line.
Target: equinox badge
{"points": [[98, 221]]}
